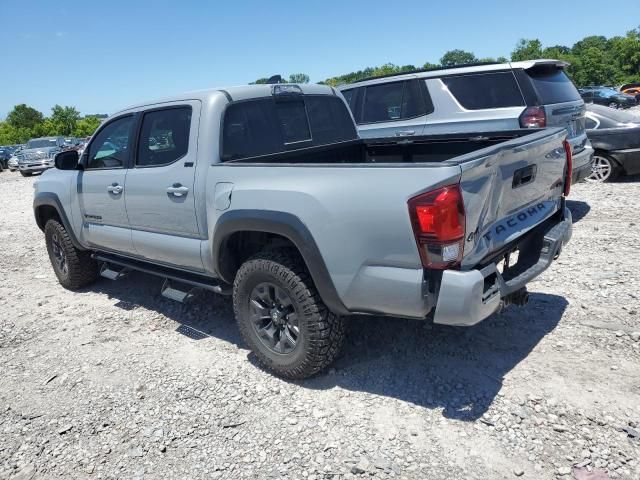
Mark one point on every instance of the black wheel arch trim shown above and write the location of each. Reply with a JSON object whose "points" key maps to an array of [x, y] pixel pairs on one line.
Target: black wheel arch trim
{"points": [[51, 199], [288, 226]]}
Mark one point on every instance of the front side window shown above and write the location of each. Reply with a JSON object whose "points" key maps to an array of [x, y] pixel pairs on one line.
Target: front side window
{"points": [[383, 102], [481, 91], [392, 101], [110, 148], [164, 136]]}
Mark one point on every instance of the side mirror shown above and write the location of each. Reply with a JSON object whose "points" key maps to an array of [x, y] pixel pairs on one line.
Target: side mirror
{"points": [[67, 160]]}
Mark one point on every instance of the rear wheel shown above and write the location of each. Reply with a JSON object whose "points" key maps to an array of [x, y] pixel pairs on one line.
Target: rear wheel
{"points": [[74, 268], [281, 316], [613, 105], [603, 169]]}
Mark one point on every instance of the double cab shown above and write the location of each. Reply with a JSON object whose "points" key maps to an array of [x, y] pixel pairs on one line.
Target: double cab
{"points": [[267, 193]]}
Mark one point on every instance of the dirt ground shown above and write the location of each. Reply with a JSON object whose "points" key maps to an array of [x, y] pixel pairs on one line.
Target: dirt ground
{"points": [[117, 382]]}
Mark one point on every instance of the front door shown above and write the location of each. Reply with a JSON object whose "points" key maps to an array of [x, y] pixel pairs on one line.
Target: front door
{"points": [[160, 187], [102, 186]]}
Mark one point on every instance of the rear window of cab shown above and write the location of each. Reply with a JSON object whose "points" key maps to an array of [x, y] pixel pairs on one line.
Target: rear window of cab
{"points": [[265, 126]]}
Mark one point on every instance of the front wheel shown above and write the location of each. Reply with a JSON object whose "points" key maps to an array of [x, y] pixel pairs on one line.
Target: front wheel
{"points": [[74, 268], [282, 318], [603, 169], [25, 174], [613, 105]]}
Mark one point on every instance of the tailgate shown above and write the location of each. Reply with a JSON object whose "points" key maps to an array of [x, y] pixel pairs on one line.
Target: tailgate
{"points": [[513, 187]]}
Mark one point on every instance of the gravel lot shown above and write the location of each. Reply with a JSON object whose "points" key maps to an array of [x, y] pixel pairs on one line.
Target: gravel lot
{"points": [[117, 382]]}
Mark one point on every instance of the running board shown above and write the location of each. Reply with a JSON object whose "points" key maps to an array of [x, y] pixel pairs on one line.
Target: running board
{"points": [[113, 272], [193, 279], [174, 292]]}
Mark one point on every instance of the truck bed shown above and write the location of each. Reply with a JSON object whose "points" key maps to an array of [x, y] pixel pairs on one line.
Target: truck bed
{"points": [[421, 149]]}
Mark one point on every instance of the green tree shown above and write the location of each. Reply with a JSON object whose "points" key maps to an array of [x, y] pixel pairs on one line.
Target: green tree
{"points": [[64, 119], [626, 51], [86, 126], [260, 81], [23, 116], [457, 57], [527, 50], [430, 66], [298, 78]]}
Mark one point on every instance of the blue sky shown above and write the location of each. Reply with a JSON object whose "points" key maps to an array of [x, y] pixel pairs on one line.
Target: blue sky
{"points": [[103, 55]]}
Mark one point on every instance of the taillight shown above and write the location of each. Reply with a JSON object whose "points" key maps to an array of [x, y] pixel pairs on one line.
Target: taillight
{"points": [[569, 154], [438, 222], [533, 117]]}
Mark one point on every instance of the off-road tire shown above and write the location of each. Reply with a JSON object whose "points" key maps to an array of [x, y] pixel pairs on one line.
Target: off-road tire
{"points": [[321, 332], [81, 268], [26, 174]]}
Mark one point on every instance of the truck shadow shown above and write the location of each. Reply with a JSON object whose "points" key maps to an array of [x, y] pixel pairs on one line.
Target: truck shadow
{"points": [[459, 370], [579, 209]]}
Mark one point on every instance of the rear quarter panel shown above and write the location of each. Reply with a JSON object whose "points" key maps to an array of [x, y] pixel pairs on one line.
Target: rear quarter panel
{"points": [[359, 218]]}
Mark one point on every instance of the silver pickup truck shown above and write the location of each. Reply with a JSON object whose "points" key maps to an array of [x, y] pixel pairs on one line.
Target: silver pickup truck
{"points": [[266, 193]]}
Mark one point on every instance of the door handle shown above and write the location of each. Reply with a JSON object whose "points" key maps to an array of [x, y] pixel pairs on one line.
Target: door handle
{"points": [[177, 190], [115, 189], [404, 133]]}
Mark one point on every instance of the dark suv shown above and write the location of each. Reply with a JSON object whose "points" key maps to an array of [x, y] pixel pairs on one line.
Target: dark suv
{"points": [[607, 96]]}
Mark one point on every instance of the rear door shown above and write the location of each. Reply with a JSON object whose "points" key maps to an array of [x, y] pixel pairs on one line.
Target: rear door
{"points": [[102, 186], [391, 109], [160, 195]]}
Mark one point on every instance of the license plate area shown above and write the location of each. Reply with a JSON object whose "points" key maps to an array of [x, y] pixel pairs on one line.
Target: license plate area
{"points": [[510, 260]]}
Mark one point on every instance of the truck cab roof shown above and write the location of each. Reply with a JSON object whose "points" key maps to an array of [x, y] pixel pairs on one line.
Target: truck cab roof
{"points": [[236, 93]]}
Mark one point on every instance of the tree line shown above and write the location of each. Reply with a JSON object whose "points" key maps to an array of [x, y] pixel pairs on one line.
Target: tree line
{"points": [[25, 122], [595, 60]]}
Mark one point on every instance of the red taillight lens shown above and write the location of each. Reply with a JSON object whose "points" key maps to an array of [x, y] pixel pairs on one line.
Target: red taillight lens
{"points": [[533, 117], [569, 154], [438, 224]]}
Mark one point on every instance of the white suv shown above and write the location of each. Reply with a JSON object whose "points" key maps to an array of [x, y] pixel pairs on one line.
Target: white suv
{"points": [[477, 98]]}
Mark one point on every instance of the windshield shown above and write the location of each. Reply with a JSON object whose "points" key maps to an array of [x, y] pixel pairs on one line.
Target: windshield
{"points": [[552, 85], [42, 143]]}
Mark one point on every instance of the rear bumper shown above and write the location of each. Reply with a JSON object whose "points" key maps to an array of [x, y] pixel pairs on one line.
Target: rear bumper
{"points": [[629, 159], [582, 164], [468, 297], [37, 166]]}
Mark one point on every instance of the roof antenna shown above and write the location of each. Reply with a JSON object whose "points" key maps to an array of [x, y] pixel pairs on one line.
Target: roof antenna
{"points": [[274, 79]]}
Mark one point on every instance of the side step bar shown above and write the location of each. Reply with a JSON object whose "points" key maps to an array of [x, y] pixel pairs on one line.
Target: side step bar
{"points": [[116, 267]]}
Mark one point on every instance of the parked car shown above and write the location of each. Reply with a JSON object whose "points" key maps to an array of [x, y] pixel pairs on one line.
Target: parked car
{"points": [[38, 155], [5, 155], [478, 98], [607, 96], [632, 89], [634, 92], [615, 136], [12, 165], [266, 193]]}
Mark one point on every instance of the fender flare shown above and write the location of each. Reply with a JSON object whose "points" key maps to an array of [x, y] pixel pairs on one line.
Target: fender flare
{"points": [[288, 226], [51, 199]]}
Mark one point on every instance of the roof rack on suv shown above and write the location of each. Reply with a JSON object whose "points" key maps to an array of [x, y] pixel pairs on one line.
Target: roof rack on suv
{"points": [[431, 69]]}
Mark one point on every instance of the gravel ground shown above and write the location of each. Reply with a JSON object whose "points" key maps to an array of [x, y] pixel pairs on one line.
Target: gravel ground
{"points": [[117, 382]]}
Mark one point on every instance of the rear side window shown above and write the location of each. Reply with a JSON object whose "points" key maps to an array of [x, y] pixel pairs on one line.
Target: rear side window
{"points": [[552, 85], [392, 101], [485, 90], [164, 137], [266, 126]]}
